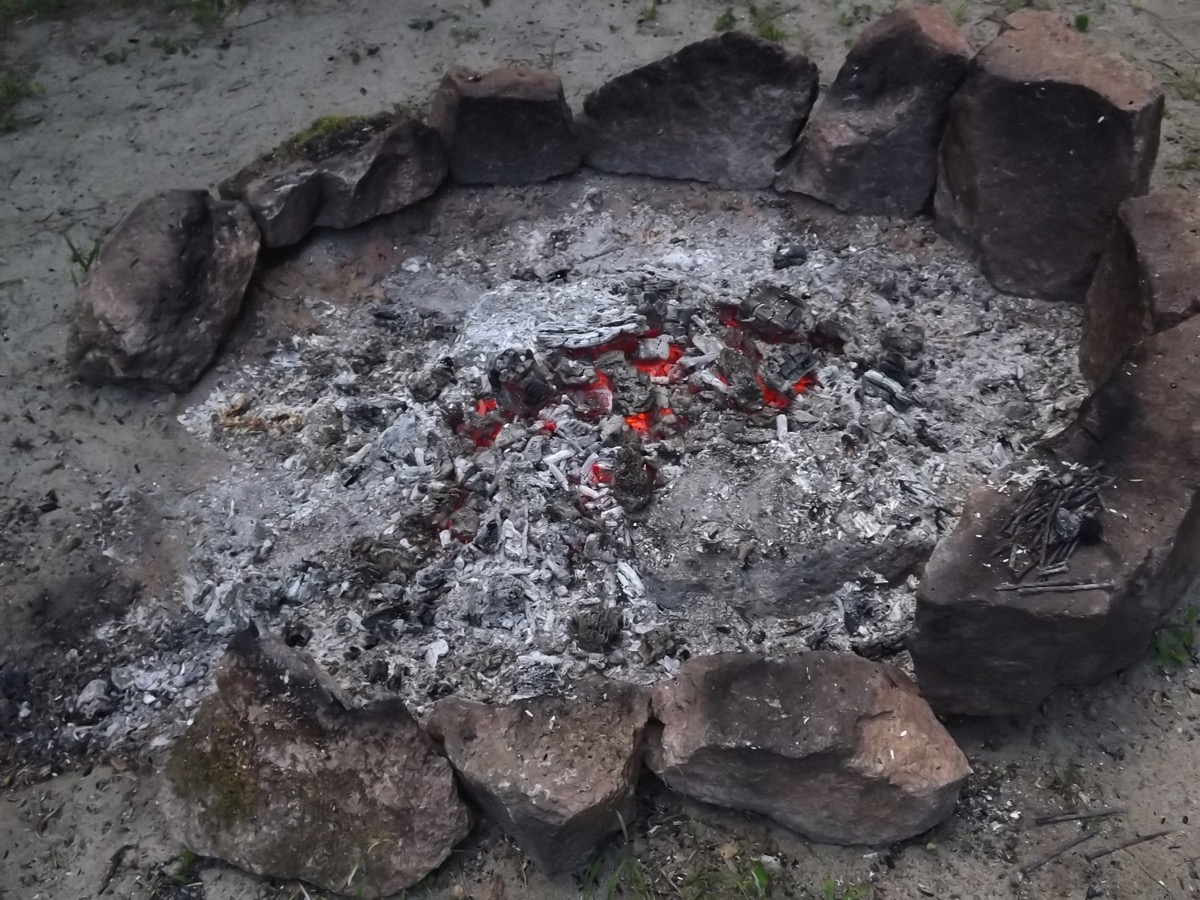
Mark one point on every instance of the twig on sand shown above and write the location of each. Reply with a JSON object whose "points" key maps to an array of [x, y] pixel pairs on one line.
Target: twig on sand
{"points": [[1056, 852], [1132, 842], [1079, 814]]}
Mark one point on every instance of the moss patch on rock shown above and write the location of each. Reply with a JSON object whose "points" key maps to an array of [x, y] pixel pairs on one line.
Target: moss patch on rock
{"points": [[217, 769], [328, 136]]}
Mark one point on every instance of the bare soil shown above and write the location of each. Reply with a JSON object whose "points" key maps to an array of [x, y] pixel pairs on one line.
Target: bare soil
{"points": [[86, 475]]}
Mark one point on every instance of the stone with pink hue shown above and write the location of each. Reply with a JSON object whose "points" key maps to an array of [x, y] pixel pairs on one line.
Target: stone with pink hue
{"points": [[1148, 279], [281, 775], [1046, 138], [508, 126], [871, 146], [557, 773], [833, 746]]}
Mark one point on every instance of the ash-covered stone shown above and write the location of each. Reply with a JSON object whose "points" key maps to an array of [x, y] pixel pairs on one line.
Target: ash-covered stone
{"points": [[1077, 597]]}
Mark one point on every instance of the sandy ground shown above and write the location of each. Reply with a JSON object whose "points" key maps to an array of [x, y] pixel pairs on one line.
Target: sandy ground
{"points": [[108, 133]]}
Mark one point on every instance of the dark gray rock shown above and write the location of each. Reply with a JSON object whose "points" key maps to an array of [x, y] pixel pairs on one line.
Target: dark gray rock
{"points": [[394, 170], [871, 146], [285, 204], [167, 286], [280, 775], [509, 126], [1045, 140], [340, 177], [835, 747], [558, 774], [1148, 278], [983, 651], [723, 110]]}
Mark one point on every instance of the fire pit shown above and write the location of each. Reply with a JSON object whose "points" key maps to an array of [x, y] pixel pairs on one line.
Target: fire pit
{"points": [[615, 439], [631, 464]]}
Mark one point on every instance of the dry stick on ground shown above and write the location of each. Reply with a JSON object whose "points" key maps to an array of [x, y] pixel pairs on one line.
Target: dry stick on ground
{"points": [[1060, 586], [1079, 815], [1057, 851], [1132, 842]]}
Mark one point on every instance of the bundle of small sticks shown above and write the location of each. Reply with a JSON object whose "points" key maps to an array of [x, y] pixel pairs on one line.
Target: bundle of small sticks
{"points": [[1058, 512]]}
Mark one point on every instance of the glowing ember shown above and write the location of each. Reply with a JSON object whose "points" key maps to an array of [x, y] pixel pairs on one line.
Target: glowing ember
{"points": [[639, 422], [772, 397], [804, 384], [660, 368], [485, 405], [729, 316], [596, 399], [601, 474]]}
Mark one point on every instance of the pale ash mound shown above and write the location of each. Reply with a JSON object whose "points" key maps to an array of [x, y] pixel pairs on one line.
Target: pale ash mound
{"points": [[613, 437]]}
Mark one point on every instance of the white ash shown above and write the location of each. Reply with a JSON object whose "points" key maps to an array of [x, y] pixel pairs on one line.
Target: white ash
{"points": [[340, 521]]}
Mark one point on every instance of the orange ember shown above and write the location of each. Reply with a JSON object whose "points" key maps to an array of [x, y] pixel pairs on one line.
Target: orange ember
{"points": [[596, 399], [804, 384], [486, 434], [601, 474], [772, 397], [659, 367], [639, 422], [485, 405]]}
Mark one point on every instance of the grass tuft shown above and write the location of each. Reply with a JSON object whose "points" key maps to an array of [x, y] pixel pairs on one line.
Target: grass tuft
{"points": [[766, 22], [15, 87]]}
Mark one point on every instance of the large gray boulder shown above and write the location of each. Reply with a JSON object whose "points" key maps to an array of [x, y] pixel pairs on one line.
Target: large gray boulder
{"points": [[508, 126], [557, 773], [280, 775], [1148, 278], [1046, 138], [164, 292], [835, 747], [992, 640], [871, 146], [723, 110]]}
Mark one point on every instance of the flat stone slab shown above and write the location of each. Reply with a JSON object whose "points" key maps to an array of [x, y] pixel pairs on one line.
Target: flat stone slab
{"points": [[1045, 140], [833, 746], [979, 650], [871, 146], [164, 292], [508, 126], [278, 774], [1148, 278], [723, 110], [558, 774]]}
